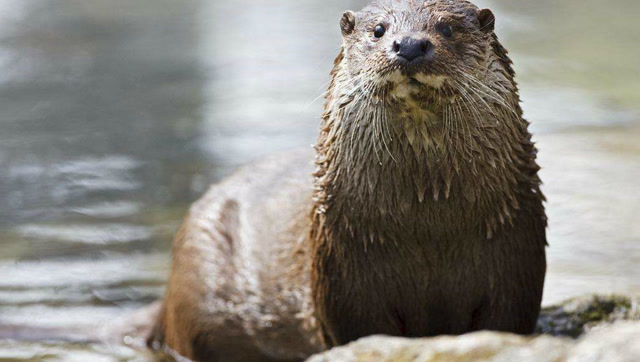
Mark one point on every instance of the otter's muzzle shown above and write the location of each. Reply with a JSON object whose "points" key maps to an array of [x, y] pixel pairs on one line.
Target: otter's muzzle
{"points": [[411, 48]]}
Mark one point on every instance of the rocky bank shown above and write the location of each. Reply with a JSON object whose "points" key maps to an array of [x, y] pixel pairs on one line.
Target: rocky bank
{"points": [[595, 328]]}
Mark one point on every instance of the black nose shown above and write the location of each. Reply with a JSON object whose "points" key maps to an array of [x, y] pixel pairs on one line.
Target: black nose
{"points": [[410, 48]]}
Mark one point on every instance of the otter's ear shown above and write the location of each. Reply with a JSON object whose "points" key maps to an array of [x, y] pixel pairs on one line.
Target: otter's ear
{"points": [[348, 23], [487, 20]]}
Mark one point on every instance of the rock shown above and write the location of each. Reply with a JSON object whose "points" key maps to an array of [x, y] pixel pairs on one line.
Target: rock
{"points": [[618, 342], [484, 346], [606, 326], [577, 316]]}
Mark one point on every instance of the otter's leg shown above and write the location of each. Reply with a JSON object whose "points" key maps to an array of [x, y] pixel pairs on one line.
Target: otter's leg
{"points": [[346, 329], [345, 318], [196, 321], [517, 281]]}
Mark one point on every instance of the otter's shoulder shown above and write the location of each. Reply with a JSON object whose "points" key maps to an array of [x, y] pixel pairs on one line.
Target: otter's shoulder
{"points": [[261, 180], [266, 195]]}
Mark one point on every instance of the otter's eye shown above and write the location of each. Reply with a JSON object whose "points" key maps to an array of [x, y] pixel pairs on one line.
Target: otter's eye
{"points": [[379, 31], [447, 31]]}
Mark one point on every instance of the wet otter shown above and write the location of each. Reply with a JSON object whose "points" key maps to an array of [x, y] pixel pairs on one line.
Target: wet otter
{"points": [[424, 216]]}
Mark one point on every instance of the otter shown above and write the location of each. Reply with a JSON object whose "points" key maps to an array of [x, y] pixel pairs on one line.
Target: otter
{"points": [[422, 214]]}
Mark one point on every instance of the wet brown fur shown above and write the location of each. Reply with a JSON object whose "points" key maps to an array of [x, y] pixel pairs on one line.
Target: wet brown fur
{"points": [[426, 211]]}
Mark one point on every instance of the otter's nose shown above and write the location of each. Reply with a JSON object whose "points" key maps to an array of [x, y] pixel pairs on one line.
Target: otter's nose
{"points": [[410, 48]]}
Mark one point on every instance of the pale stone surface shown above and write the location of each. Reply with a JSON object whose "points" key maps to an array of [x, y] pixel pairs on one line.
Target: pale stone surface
{"points": [[478, 346], [617, 343]]}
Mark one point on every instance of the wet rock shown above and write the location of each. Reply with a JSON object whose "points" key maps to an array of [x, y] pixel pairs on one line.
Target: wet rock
{"points": [[617, 342], [608, 329], [579, 315], [486, 346]]}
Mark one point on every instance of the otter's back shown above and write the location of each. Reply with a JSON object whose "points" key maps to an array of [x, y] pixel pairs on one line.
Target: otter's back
{"points": [[233, 283]]}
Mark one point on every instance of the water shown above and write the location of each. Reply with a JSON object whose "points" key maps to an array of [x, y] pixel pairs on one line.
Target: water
{"points": [[115, 115]]}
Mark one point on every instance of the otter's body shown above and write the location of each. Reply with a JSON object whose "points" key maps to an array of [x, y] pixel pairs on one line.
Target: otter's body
{"points": [[424, 215], [235, 292]]}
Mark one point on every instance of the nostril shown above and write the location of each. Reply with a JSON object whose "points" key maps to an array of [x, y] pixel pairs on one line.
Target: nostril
{"points": [[396, 47], [424, 46]]}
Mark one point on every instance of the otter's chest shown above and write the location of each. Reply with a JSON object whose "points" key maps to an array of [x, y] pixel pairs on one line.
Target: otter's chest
{"points": [[411, 284]]}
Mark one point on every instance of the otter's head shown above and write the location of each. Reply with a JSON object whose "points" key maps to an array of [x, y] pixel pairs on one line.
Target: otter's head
{"points": [[424, 42]]}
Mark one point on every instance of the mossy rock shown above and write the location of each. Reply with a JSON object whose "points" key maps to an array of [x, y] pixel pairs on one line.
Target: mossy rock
{"points": [[576, 316]]}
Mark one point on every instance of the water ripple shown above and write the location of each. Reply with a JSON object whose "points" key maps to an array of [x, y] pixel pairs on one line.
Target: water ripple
{"points": [[87, 234]]}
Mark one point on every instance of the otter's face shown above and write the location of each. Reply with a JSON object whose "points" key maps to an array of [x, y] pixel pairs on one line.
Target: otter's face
{"points": [[423, 41]]}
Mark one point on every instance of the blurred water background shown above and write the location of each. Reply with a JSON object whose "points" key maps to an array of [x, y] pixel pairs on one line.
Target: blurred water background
{"points": [[116, 114]]}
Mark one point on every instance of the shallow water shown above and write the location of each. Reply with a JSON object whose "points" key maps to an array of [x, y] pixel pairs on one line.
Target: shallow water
{"points": [[115, 115]]}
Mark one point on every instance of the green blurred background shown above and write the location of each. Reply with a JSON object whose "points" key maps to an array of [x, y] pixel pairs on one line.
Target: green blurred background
{"points": [[116, 114]]}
